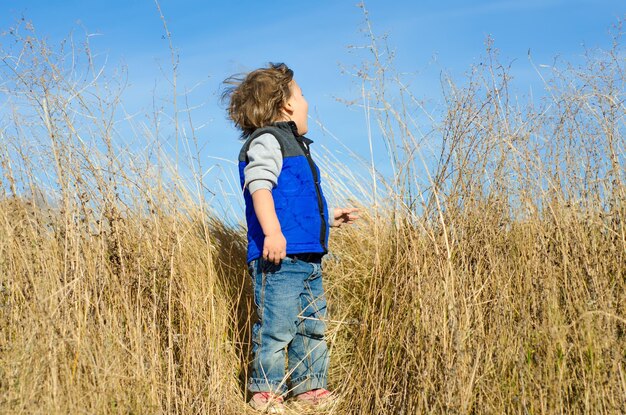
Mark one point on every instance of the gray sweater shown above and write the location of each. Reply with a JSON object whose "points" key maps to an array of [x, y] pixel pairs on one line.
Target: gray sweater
{"points": [[265, 163]]}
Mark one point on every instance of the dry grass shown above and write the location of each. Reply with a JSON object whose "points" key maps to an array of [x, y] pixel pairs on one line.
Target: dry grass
{"points": [[490, 281]]}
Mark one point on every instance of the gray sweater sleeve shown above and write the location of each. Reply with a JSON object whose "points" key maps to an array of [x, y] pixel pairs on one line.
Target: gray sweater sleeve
{"points": [[265, 163]]}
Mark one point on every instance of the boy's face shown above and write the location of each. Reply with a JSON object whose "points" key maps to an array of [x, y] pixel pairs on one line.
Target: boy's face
{"points": [[297, 109]]}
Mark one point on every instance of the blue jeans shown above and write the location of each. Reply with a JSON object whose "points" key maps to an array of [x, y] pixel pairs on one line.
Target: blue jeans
{"points": [[292, 307]]}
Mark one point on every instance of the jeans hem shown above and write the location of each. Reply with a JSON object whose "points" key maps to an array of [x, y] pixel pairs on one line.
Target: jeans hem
{"points": [[308, 383], [264, 385]]}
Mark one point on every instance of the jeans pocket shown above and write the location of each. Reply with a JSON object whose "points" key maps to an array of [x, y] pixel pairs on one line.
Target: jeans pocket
{"points": [[269, 267], [317, 272], [252, 267]]}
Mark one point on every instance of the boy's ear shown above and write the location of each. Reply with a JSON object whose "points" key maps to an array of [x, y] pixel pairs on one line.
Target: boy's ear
{"points": [[287, 107]]}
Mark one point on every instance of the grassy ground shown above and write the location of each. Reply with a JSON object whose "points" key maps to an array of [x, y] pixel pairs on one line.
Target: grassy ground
{"points": [[490, 281]]}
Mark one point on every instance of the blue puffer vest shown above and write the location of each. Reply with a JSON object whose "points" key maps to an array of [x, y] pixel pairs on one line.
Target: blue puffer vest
{"points": [[298, 199]]}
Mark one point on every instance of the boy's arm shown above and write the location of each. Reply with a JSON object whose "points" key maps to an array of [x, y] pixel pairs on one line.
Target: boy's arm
{"points": [[265, 161], [261, 175], [275, 244]]}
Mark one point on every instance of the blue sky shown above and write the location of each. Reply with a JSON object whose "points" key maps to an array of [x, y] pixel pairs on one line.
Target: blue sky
{"points": [[216, 39]]}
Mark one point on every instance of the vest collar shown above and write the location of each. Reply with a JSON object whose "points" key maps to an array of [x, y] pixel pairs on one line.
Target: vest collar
{"points": [[291, 127]]}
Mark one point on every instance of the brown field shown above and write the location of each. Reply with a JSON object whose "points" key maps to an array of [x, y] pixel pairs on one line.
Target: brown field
{"points": [[489, 280]]}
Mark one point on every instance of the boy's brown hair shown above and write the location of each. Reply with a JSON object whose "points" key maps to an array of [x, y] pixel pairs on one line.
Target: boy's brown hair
{"points": [[256, 99]]}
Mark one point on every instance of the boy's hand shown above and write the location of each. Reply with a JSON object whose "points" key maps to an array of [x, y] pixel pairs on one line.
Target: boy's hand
{"points": [[275, 247], [345, 216]]}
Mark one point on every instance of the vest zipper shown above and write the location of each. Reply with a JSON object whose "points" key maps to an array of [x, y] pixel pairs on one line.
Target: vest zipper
{"points": [[318, 190]]}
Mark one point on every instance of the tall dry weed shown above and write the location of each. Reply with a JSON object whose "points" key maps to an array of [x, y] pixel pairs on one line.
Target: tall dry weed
{"points": [[488, 281], [493, 280], [111, 297]]}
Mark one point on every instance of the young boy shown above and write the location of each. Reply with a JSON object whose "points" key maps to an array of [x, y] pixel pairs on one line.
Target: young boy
{"points": [[288, 226]]}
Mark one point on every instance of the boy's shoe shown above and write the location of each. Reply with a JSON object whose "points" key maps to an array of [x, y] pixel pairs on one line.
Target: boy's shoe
{"points": [[320, 398], [268, 403]]}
